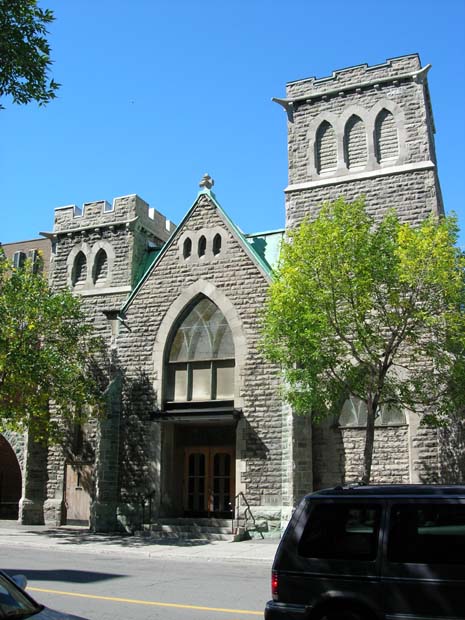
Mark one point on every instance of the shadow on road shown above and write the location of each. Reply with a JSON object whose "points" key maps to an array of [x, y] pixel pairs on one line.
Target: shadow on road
{"points": [[59, 574]]}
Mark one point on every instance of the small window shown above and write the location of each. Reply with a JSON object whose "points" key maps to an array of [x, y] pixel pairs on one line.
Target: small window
{"points": [[101, 267], [427, 533], [187, 247], [217, 244], [341, 532], [19, 258], [202, 246], [79, 275]]}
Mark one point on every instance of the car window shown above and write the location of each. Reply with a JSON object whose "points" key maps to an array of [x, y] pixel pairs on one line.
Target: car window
{"points": [[341, 531], [427, 534], [12, 600]]}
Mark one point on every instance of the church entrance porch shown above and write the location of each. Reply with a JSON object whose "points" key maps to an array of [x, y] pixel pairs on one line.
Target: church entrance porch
{"points": [[198, 469]]}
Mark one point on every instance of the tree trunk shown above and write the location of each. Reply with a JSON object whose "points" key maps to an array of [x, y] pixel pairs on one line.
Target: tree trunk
{"points": [[369, 442]]}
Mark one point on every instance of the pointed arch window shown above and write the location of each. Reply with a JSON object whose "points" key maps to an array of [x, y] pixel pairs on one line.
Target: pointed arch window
{"points": [[354, 414], [386, 138], [200, 360], [326, 148], [101, 267], [202, 246], [355, 140], [79, 275]]}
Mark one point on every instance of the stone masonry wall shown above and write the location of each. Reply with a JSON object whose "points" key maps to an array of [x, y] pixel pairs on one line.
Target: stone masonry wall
{"points": [[338, 455], [414, 195], [242, 282]]}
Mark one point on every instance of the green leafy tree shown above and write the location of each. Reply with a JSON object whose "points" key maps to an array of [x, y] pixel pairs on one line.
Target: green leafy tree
{"points": [[47, 355], [25, 52], [372, 312]]}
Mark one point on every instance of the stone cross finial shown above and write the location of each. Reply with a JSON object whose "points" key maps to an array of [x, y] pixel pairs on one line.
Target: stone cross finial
{"points": [[207, 182]]}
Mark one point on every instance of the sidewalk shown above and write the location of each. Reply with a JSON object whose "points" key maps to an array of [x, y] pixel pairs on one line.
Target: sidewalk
{"points": [[77, 539]]}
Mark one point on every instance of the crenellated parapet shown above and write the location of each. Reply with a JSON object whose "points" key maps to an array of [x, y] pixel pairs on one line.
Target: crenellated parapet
{"points": [[361, 76], [364, 130], [123, 211]]}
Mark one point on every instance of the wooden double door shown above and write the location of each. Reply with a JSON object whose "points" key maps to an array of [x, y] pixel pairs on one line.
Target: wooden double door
{"points": [[209, 481]]}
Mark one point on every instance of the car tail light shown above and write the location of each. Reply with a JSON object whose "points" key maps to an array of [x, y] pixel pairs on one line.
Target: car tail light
{"points": [[274, 585]]}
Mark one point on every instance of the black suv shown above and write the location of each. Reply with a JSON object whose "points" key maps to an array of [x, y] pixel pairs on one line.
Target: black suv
{"points": [[391, 552]]}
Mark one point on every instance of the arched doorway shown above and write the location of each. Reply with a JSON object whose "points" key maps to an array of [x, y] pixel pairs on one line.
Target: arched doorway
{"points": [[10, 481], [199, 417]]}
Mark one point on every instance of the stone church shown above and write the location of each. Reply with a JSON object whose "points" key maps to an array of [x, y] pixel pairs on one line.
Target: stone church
{"points": [[195, 424]]}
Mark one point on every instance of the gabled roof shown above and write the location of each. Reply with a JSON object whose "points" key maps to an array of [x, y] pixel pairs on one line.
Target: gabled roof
{"points": [[263, 248]]}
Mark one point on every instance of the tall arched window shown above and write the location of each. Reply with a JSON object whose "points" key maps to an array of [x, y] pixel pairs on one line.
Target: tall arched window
{"points": [[100, 267], [79, 275], [355, 140], [386, 138], [200, 360], [326, 148]]}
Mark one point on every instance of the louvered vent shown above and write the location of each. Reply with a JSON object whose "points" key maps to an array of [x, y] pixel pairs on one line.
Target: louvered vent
{"points": [[387, 141], [326, 148], [356, 143]]}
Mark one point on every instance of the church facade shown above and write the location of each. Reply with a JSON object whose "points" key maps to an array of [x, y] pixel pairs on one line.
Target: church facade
{"points": [[195, 423]]}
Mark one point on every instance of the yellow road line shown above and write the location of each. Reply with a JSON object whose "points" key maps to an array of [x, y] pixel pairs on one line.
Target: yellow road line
{"points": [[133, 601]]}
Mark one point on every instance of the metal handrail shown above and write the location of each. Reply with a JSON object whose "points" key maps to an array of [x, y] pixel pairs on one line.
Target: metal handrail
{"points": [[247, 511]]}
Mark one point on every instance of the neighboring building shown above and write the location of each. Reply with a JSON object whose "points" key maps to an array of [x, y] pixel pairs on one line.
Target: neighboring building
{"points": [[195, 421]]}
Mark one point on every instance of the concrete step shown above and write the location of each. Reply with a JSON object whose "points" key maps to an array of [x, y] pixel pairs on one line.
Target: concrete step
{"points": [[194, 521], [184, 528], [194, 528], [184, 536]]}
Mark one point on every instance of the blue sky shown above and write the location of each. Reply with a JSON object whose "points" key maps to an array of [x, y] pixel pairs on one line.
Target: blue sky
{"points": [[156, 93]]}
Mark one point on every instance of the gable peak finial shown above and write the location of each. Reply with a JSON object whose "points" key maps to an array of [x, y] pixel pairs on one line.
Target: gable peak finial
{"points": [[207, 182]]}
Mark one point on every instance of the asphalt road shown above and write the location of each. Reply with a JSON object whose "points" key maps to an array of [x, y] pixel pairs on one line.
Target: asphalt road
{"points": [[119, 587]]}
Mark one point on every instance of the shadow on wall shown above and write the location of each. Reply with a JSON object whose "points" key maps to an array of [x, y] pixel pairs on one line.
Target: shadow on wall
{"points": [[451, 455], [329, 455], [139, 448]]}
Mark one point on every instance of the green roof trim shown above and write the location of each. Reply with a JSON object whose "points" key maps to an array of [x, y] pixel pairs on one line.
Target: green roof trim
{"points": [[263, 248]]}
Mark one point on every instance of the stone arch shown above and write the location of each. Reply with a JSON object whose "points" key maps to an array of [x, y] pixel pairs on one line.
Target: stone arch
{"points": [[398, 119], [207, 289], [312, 134], [11, 477], [84, 249], [326, 152], [355, 143], [97, 249]]}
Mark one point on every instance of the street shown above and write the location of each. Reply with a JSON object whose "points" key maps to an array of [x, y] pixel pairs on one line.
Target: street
{"points": [[127, 587]]}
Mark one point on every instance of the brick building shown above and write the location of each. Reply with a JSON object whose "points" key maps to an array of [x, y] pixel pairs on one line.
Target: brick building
{"points": [[195, 422]]}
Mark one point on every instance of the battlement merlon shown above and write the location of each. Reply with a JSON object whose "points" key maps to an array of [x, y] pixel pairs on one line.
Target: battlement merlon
{"points": [[124, 210], [393, 71]]}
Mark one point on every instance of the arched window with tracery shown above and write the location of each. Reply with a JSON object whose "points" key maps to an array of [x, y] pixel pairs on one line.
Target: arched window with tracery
{"points": [[200, 359], [386, 137], [355, 142], [100, 267], [326, 148], [79, 274], [354, 414]]}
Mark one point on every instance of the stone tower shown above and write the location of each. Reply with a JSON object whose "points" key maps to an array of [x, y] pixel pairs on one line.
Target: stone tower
{"points": [[363, 131], [99, 251]]}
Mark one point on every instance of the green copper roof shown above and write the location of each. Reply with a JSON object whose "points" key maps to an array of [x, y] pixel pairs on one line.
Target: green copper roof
{"points": [[267, 245]]}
